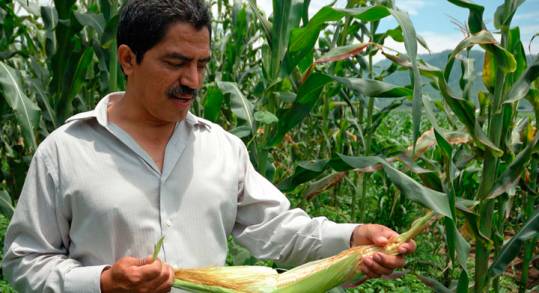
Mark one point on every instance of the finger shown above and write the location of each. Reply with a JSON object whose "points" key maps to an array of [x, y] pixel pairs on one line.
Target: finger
{"points": [[390, 262], [366, 267], [151, 271], [156, 283], [382, 235], [376, 265], [166, 286], [407, 247]]}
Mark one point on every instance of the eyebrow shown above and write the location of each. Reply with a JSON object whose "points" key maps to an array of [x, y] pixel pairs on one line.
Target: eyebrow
{"points": [[183, 58]]}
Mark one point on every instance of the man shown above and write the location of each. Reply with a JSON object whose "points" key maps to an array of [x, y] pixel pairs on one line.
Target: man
{"points": [[104, 187]]}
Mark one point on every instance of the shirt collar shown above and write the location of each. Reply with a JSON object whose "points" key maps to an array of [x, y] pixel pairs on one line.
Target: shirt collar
{"points": [[100, 114]]}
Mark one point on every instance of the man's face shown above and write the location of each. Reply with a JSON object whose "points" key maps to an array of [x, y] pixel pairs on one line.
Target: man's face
{"points": [[166, 80]]}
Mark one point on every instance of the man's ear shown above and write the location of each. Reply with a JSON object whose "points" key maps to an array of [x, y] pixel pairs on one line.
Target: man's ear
{"points": [[127, 59]]}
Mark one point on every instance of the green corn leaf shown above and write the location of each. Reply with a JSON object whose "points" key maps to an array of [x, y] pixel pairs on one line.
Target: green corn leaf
{"points": [[432, 199], [212, 103], [266, 25], [265, 117], [410, 43], [50, 20], [512, 248], [157, 248], [241, 131], [463, 109], [308, 95], [319, 186], [503, 17], [434, 284], [79, 78], [26, 111], [286, 16], [504, 60], [512, 174], [374, 88], [303, 40], [241, 106], [6, 204], [520, 88], [31, 7], [475, 19], [341, 53], [305, 171], [379, 116], [95, 21]]}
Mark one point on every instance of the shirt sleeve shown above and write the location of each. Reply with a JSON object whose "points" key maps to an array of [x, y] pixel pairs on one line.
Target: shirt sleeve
{"points": [[270, 230], [36, 257]]}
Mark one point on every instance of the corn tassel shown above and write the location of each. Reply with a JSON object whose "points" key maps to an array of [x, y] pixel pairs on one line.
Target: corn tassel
{"points": [[314, 277]]}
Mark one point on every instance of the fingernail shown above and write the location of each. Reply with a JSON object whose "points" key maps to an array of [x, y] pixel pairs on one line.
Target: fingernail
{"points": [[402, 250]]}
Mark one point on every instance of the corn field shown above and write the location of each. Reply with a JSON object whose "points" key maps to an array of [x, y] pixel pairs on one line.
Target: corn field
{"points": [[322, 120]]}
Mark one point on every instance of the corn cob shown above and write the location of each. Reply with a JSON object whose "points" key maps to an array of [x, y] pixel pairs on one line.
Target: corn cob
{"points": [[314, 277]]}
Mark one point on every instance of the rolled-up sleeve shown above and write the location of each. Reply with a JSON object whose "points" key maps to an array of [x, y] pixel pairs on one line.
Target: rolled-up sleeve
{"points": [[270, 230], [37, 240]]}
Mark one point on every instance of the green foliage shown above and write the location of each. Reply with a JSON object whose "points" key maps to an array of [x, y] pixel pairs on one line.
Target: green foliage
{"points": [[322, 120]]}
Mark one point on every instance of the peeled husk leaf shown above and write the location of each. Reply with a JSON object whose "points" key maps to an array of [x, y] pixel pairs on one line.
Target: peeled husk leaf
{"points": [[313, 277]]}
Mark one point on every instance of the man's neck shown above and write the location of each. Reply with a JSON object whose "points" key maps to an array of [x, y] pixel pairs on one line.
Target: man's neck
{"points": [[124, 112], [150, 134]]}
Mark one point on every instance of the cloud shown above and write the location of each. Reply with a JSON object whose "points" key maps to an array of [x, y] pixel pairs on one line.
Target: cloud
{"points": [[411, 6], [530, 15]]}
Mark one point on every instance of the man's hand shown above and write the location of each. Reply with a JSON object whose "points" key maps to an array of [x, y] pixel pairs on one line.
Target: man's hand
{"points": [[379, 264], [131, 274]]}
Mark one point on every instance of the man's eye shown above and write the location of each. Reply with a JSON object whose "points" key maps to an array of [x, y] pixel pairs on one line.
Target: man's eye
{"points": [[177, 65]]}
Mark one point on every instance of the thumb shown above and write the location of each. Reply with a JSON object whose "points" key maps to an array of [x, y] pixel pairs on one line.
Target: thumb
{"points": [[380, 240], [145, 261]]}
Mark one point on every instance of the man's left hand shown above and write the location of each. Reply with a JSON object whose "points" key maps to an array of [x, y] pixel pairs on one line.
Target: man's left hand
{"points": [[379, 264]]}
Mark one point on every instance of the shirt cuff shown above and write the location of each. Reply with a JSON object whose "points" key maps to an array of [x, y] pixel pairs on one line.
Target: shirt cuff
{"points": [[84, 279], [335, 238]]}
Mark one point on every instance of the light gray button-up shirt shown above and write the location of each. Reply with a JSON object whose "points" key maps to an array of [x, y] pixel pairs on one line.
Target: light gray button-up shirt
{"points": [[93, 195]]}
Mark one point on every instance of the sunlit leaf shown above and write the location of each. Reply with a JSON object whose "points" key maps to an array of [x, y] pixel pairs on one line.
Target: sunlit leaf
{"points": [[504, 60], [212, 103], [6, 204], [265, 117], [323, 184], [95, 21], [434, 200], [475, 19], [26, 111], [502, 17], [308, 95], [241, 106], [374, 88], [341, 53], [286, 16]]}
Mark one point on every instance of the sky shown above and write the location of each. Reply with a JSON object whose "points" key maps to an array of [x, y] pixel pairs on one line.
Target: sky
{"points": [[432, 20]]}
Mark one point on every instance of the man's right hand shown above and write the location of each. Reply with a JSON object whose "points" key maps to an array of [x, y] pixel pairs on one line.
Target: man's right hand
{"points": [[131, 274]]}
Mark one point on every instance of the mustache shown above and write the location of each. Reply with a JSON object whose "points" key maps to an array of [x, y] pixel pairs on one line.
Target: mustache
{"points": [[182, 90]]}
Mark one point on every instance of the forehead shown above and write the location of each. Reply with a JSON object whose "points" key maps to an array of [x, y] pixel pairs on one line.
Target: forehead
{"points": [[186, 39]]}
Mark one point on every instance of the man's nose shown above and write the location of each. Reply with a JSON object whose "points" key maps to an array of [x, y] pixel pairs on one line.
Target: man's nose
{"points": [[192, 76]]}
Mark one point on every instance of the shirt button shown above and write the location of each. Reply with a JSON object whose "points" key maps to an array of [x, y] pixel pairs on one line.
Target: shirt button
{"points": [[168, 223]]}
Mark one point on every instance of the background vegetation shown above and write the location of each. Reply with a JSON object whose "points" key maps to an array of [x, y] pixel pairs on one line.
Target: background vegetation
{"points": [[343, 137]]}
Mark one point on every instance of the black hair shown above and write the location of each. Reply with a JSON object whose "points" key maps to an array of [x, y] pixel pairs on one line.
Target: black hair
{"points": [[144, 23]]}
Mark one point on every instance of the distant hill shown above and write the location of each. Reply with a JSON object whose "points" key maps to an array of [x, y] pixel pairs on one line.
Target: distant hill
{"points": [[439, 60]]}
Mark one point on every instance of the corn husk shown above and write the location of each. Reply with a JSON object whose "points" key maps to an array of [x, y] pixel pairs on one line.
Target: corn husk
{"points": [[313, 277]]}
